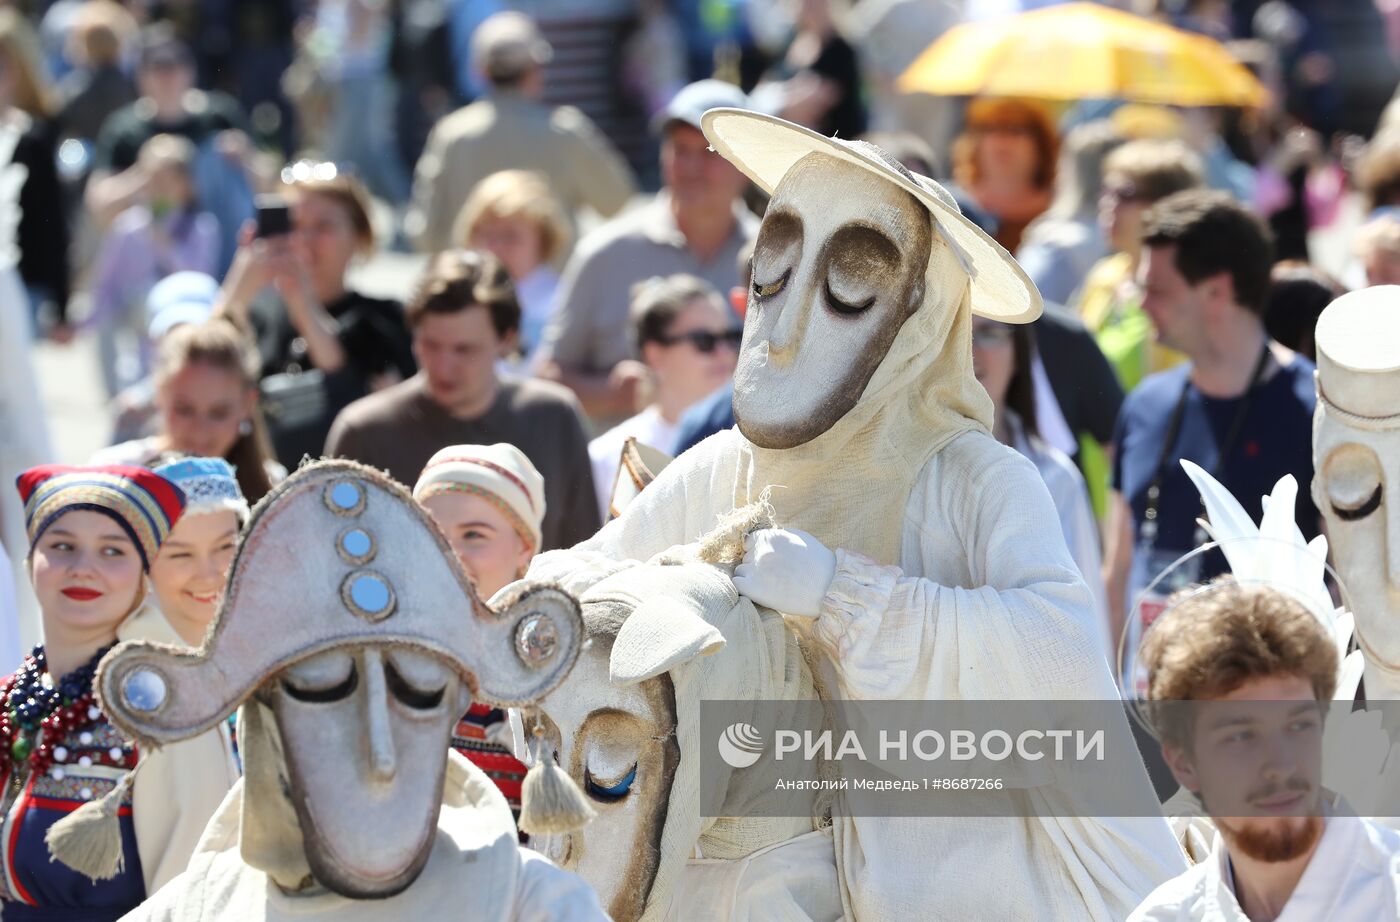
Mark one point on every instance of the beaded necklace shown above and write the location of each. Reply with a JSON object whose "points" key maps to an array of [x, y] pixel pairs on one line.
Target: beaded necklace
{"points": [[36, 717]]}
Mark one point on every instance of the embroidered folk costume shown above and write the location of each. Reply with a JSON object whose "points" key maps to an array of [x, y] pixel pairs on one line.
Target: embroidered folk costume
{"points": [[58, 750], [352, 805], [856, 403]]}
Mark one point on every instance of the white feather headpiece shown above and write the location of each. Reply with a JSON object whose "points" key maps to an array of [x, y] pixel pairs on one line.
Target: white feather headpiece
{"points": [[1274, 552]]}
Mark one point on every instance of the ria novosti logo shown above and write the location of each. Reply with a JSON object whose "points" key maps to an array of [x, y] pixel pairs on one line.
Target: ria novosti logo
{"points": [[740, 745]]}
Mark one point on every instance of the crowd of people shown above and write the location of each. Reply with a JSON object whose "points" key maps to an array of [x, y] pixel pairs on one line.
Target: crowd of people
{"points": [[194, 189]]}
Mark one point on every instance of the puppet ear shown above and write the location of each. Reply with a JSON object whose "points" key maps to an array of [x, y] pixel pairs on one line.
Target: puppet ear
{"points": [[659, 635], [532, 634]]}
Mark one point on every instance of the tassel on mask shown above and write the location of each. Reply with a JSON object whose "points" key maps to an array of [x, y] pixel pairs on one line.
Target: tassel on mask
{"points": [[89, 840], [550, 803]]}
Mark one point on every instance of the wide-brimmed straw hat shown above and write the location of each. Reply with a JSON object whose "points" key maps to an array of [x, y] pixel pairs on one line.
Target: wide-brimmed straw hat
{"points": [[764, 148]]}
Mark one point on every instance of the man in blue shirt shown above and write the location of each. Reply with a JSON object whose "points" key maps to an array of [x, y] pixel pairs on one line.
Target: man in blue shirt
{"points": [[1241, 408]]}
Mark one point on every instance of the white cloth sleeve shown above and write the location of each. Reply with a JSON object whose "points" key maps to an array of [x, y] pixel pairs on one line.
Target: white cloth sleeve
{"points": [[545, 893]]}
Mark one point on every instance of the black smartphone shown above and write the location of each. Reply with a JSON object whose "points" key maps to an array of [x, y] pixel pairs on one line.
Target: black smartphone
{"points": [[274, 217]]}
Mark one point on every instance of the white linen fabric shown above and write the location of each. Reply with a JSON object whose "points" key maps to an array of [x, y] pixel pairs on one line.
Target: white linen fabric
{"points": [[476, 870], [1071, 498], [179, 786], [997, 611], [1354, 874]]}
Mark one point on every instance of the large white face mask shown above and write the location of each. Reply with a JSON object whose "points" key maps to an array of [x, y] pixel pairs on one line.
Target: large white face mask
{"points": [[1356, 469], [838, 268], [367, 726], [618, 744], [1356, 454]]}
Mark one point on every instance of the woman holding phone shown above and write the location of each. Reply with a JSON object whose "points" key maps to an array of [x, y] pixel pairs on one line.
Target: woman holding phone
{"points": [[291, 289]]}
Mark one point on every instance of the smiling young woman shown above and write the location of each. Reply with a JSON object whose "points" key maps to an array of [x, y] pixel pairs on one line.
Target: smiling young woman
{"points": [[191, 570], [92, 532], [489, 502]]}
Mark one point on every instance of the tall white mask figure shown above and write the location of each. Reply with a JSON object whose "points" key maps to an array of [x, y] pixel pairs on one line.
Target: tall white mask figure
{"points": [[925, 559], [1356, 455], [353, 641], [663, 637]]}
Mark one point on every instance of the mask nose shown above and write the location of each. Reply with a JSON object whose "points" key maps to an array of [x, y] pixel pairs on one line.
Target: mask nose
{"points": [[378, 722], [785, 337]]}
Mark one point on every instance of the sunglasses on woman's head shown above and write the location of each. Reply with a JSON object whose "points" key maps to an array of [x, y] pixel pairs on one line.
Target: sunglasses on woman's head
{"points": [[705, 341]]}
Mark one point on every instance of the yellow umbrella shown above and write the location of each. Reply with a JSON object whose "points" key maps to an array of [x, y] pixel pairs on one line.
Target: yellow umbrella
{"points": [[1082, 51]]}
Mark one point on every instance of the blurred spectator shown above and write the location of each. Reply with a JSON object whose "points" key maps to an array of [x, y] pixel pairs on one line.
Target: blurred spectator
{"points": [[1077, 397], [98, 85], [1135, 176], [889, 36], [352, 39], [817, 80], [323, 344], [28, 139], [515, 216], [1242, 407], [1002, 357], [206, 379], [716, 412], [1377, 247], [695, 225], [1060, 247], [225, 163], [1004, 160], [1378, 170], [1297, 295], [166, 233], [689, 340], [512, 129], [176, 300], [464, 317]]}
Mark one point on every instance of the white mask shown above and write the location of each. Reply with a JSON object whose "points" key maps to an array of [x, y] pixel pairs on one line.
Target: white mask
{"points": [[838, 268], [618, 744], [1356, 452]]}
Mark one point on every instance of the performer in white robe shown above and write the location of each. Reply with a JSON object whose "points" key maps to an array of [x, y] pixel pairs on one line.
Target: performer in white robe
{"points": [[856, 402], [352, 639]]}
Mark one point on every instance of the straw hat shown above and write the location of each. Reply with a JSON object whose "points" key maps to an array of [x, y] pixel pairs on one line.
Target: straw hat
{"points": [[764, 148]]}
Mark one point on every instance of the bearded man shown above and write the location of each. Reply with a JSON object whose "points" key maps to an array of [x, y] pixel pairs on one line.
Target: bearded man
{"points": [[929, 562]]}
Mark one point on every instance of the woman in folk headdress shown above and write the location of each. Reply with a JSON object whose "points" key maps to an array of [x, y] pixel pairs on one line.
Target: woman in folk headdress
{"points": [[489, 502], [93, 534]]}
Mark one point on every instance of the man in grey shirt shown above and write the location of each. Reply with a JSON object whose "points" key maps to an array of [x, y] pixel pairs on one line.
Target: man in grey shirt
{"points": [[696, 225]]}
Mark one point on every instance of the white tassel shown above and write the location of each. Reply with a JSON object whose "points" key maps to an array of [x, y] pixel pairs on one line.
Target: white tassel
{"points": [[550, 803], [89, 840]]}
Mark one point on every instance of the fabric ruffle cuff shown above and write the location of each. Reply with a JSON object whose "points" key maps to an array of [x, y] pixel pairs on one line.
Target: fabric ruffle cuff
{"points": [[859, 593]]}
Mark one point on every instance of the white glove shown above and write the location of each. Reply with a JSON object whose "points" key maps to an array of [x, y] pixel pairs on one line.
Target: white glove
{"points": [[786, 570]]}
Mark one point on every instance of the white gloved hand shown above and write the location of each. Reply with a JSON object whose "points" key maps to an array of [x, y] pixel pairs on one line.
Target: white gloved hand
{"points": [[786, 570]]}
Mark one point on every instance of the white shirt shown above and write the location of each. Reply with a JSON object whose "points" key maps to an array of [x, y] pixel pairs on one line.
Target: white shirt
{"points": [[605, 452], [1071, 498], [1353, 875]]}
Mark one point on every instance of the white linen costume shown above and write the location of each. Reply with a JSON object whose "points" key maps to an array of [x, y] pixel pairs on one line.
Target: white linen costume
{"points": [[476, 870], [952, 580], [179, 786], [1354, 874], [352, 804]]}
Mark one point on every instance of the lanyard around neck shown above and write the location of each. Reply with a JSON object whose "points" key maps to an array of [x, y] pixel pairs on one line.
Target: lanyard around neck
{"points": [[1148, 530]]}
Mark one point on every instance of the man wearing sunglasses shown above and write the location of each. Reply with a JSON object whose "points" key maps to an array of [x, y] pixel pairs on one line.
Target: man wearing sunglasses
{"points": [[689, 341]]}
